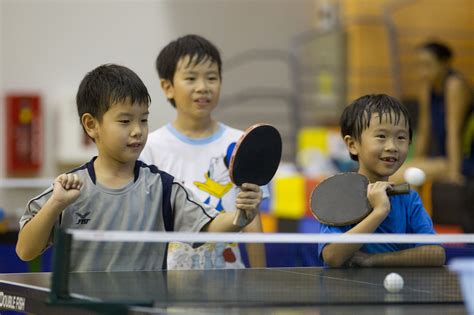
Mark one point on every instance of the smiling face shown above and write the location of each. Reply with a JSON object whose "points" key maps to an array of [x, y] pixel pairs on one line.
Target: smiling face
{"points": [[382, 147], [122, 132], [195, 87]]}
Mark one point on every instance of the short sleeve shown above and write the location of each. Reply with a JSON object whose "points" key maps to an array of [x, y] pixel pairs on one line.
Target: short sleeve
{"points": [[33, 207], [326, 229], [420, 222], [190, 214]]}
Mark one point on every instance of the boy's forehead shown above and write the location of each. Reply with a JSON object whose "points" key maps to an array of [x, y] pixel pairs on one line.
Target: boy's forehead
{"points": [[189, 62], [127, 104], [388, 118]]}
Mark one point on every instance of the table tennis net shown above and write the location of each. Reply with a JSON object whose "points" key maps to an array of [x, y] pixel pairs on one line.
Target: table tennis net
{"points": [[216, 268]]}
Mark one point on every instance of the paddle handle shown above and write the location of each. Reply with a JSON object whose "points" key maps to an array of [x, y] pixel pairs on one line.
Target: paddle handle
{"points": [[399, 189], [240, 218]]}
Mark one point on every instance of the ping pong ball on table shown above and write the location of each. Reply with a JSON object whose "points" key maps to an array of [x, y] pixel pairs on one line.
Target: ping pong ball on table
{"points": [[393, 282], [414, 176]]}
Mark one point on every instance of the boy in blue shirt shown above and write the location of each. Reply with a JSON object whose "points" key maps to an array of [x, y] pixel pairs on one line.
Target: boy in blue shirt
{"points": [[377, 132]]}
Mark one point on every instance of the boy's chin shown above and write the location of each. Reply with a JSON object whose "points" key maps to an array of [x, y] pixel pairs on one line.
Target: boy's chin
{"points": [[385, 175], [389, 170], [380, 175], [129, 158]]}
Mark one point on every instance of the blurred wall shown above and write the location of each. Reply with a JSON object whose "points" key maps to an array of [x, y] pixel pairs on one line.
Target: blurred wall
{"points": [[415, 22], [368, 54], [382, 36], [47, 46], [2, 109]]}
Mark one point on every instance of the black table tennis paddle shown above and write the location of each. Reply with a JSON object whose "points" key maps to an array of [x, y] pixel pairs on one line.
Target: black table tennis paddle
{"points": [[255, 159], [342, 199]]}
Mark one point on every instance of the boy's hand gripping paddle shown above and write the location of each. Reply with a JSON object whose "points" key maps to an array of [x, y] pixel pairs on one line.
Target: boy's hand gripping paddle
{"points": [[342, 199]]}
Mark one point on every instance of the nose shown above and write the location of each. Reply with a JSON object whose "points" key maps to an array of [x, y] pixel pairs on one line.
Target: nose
{"points": [[390, 145], [202, 86], [137, 130]]}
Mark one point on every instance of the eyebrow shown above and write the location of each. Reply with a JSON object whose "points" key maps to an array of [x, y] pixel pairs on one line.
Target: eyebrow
{"points": [[128, 114], [195, 72], [399, 129]]}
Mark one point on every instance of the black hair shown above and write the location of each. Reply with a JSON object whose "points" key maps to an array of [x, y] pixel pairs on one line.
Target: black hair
{"points": [[441, 51], [107, 85], [356, 116], [196, 47]]}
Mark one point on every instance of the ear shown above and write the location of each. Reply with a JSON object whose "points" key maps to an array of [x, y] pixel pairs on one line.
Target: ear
{"points": [[168, 88], [351, 145], [90, 125]]}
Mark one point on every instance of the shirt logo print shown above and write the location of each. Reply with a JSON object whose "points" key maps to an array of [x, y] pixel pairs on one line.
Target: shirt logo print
{"points": [[83, 218]]}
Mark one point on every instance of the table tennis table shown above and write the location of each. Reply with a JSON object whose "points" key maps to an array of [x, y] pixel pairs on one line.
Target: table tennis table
{"points": [[244, 291]]}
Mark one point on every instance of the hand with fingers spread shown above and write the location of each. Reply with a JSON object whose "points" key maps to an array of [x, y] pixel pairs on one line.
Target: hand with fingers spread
{"points": [[67, 188], [378, 198], [248, 200]]}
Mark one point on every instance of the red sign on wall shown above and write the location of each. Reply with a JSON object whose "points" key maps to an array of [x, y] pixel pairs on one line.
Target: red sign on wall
{"points": [[24, 133]]}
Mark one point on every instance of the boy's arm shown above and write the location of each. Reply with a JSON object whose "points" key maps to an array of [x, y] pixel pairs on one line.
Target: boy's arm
{"points": [[335, 255], [422, 136], [421, 256], [223, 222], [256, 251], [457, 103], [247, 200], [34, 236]]}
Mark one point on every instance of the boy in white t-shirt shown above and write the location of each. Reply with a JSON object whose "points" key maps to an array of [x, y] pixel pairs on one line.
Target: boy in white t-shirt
{"points": [[196, 148]]}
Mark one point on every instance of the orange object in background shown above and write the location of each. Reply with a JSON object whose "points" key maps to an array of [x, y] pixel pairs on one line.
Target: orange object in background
{"points": [[24, 131], [310, 185], [269, 223], [3, 222], [448, 229], [426, 198]]}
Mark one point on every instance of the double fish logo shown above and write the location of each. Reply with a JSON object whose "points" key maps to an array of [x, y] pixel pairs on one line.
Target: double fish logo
{"points": [[83, 218]]}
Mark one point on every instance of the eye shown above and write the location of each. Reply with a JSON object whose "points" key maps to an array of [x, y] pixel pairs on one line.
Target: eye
{"points": [[189, 79], [213, 78], [145, 120], [402, 137], [125, 121], [380, 136]]}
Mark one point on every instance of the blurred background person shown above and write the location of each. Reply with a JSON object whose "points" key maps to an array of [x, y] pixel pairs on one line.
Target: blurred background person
{"points": [[444, 145]]}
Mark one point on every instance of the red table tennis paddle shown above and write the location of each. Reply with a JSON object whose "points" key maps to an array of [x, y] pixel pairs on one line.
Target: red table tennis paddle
{"points": [[255, 159], [342, 199]]}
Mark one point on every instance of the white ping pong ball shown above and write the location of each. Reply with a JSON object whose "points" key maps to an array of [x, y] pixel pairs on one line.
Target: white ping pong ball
{"points": [[393, 282], [414, 176]]}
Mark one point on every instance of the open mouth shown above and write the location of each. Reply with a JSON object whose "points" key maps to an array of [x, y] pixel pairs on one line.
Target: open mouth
{"points": [[389, 159], [202, 101]]}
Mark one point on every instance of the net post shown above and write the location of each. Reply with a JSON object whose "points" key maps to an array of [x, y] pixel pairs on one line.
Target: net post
{"points": [[61, 265], [59, 293]]}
